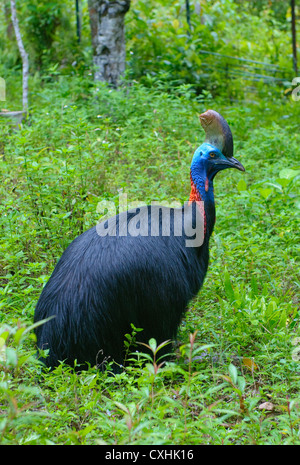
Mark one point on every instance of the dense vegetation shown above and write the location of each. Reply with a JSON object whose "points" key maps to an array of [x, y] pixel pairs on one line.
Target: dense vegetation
{"points": [[235, 378]]}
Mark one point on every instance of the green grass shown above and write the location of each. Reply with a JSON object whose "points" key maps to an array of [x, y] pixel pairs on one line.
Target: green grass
{"points": [[238, 346]]}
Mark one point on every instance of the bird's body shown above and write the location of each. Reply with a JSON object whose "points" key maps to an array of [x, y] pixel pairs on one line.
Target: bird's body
{"points": [[140, 280], [105, 282]]}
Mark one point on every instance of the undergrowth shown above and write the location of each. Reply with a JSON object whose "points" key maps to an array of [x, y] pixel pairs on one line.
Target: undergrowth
{"points": [[235, 375]]}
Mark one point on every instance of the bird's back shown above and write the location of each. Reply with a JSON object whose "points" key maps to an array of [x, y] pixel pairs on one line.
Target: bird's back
{"points": [[105, 282]]}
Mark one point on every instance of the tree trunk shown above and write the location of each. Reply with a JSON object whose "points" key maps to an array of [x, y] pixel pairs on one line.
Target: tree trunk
{"points": [[78, 22], [294, 39], [9, 27], [24, 55], [188, 14], [2, 90], [108, 38]]}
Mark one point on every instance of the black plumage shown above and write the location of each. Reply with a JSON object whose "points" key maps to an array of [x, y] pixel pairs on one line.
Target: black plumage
{"points": [[104, 282]]}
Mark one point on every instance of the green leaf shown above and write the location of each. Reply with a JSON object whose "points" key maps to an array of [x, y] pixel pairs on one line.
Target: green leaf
{"points": [[283, 319], [233, 373], [2, 342], [153, 345], [163, 344], [18, 335], [283, 181], [254, 286], [4, 335], [228, 287], [265, 192], [288, 173], [11, 357], [271, 308], [241, 383], [86, 430], [241, 185]]}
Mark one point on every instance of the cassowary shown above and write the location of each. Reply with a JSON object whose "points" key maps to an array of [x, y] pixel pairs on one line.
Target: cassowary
{"points": [[112, 276]]}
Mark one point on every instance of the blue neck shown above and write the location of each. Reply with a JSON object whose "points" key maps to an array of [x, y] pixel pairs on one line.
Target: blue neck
{"points": [[204, 186]]}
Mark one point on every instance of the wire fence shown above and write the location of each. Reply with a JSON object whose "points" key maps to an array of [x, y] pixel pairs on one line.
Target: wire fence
{"points": [[250, 72]]}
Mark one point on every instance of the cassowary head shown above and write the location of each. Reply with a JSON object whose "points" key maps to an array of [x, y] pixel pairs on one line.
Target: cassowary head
{"points": [[217, 150]]}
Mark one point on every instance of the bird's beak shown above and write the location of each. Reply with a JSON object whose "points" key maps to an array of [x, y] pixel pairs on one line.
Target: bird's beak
{"points": [[234, 163], [228, 162]]}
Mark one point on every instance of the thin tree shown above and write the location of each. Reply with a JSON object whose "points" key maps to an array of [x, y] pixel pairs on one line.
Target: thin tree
{"points": [[108, 38], [188, 14], [78, 22], [23, 53], [294, 40]]}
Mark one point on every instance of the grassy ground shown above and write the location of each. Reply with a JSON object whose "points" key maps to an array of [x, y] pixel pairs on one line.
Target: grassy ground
{"points": [[235, 380]]}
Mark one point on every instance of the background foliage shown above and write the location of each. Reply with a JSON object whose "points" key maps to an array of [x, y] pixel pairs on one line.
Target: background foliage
{"points": [[160, 42], [235, 378]]}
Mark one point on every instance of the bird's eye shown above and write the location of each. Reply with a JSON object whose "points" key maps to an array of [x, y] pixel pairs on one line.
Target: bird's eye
{"points": [[212, 154]]}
